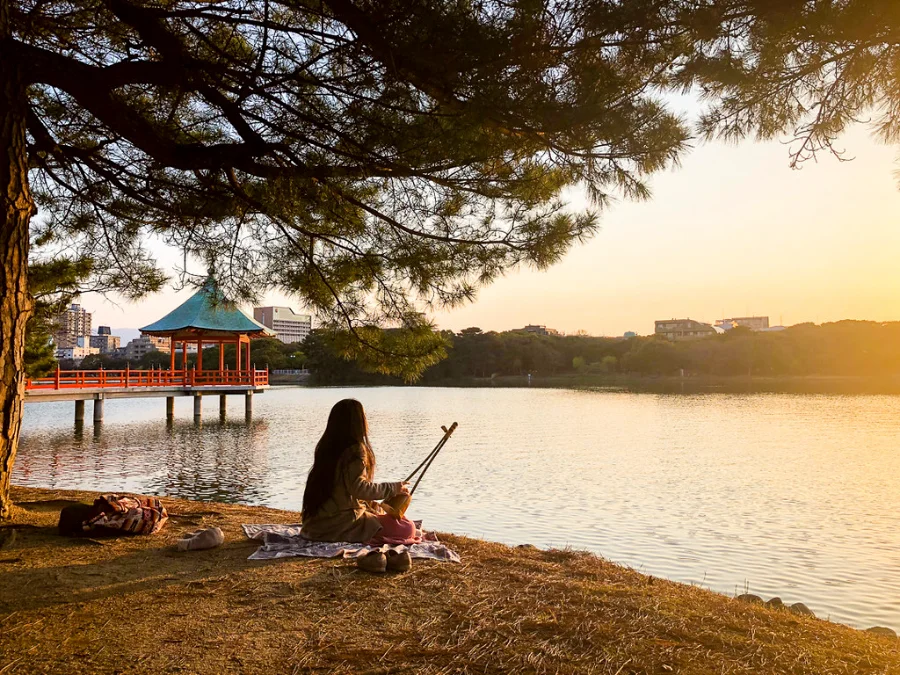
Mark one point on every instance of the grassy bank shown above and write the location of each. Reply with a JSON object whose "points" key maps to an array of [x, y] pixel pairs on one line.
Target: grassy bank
{"points": [[137, 606]]}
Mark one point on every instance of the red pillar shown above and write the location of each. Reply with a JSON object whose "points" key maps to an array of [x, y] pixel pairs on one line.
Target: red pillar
{"points": [[248, 355], [171, 353], [184, 356], [199, 354], [238, 354]]}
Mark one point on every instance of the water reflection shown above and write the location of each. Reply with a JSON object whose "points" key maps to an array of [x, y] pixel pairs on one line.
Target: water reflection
{"points": [[220, 461], [786, 495]]}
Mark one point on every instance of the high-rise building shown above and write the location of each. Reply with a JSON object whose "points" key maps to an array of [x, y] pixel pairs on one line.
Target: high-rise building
{"points": [[104, 330], [71, 324], [287, 324]]}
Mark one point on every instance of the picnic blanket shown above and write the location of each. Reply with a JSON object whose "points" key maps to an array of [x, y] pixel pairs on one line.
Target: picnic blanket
{"points": [[285, 541]]}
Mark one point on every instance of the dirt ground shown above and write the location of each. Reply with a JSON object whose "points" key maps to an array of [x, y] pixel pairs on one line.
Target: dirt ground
{"points": [[136, 605]]}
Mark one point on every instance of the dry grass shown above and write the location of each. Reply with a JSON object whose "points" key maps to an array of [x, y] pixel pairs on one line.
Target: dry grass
{"points": [[138, 606]]}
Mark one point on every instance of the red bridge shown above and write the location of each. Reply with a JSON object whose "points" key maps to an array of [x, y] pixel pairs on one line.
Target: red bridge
{"points": [[63, 380], [99, 385]]}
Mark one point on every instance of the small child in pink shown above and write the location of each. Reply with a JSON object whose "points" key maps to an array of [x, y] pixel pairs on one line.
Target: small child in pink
{"points": [[394, 532]]}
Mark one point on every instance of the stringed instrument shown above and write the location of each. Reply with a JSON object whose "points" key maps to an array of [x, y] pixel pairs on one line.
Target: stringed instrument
{"points": [[396, 506]]}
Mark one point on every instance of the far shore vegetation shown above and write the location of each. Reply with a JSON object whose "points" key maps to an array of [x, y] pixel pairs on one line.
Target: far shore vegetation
{"points": [[840, 356]]}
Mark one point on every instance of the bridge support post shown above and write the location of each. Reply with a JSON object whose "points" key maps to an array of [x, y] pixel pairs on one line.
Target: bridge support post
{"points": [[170, 407], [223, 402], [98, 408], [248, 404], [198, 407], [79, 411]]}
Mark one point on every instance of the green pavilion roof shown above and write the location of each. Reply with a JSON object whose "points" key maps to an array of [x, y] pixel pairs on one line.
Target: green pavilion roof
{"points": [[207, 311]]}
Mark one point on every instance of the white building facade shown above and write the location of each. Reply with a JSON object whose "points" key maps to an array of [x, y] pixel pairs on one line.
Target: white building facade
{"points": [[78, 351], [287, 324]]}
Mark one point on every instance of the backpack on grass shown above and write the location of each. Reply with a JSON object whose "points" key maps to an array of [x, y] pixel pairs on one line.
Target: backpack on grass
{"points": [[113, 515]]}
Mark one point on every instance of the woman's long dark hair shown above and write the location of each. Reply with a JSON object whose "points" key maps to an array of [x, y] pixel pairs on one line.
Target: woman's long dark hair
{"points": [[347, 427]]}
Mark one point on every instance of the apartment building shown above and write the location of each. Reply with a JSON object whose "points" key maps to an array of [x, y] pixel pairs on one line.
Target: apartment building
{"points": [[139, 347], [75, 353], [683, 329], [71, 324], [288, 325], [105, 341]]}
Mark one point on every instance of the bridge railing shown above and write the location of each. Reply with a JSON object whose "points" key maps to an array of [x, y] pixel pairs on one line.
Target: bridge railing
{"points": [[143, 379]]}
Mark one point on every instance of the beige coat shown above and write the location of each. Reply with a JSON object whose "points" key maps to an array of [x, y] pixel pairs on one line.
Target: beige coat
{"points": [[344, 516]]}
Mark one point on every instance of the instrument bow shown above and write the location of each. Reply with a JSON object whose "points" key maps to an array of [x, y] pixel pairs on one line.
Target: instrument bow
{"points": [[396, 506]]}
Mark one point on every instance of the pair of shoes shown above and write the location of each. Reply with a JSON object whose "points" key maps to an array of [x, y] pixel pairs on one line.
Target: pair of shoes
{"points": [[374, 562], [399, 562]]}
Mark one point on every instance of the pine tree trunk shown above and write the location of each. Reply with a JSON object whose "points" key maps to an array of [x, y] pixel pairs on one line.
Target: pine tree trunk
{"points": [[16, 209]]}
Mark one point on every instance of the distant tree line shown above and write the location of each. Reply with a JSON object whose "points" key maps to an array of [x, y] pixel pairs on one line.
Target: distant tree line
{"points": [[864, 348], [861, 348]]}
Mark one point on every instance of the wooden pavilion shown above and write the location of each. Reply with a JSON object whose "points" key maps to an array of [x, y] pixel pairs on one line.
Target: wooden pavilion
{"points": [[206, 318], [209, 318]]}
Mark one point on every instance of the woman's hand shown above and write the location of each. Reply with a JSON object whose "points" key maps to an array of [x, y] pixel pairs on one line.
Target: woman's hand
{"points": [[403, 489]]}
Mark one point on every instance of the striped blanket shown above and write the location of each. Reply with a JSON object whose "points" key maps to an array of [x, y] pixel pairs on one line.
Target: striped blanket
{"points": [[130, 515], [285, 541]]}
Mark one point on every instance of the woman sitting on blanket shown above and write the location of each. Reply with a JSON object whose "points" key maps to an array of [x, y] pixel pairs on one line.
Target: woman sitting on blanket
{"points": [[339, 500]]}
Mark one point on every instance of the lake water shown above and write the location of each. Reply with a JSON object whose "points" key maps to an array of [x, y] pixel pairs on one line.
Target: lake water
{"points": [[789, 495]]}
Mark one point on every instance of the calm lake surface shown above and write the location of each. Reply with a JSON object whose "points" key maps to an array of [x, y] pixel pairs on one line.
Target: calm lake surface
{"points": [[790, 495]]}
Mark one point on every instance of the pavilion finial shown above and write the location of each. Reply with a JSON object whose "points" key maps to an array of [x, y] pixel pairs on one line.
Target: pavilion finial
{"points": [[210, 285]]}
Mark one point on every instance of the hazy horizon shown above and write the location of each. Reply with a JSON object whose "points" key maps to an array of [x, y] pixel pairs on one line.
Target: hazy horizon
{"points": [[732, 232]]}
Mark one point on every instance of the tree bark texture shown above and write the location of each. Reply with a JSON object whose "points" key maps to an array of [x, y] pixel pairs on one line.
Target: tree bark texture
{"points": [[16, 209]]}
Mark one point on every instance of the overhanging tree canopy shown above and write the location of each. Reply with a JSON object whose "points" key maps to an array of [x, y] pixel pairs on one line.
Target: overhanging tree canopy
{"points": [[378, 157]]}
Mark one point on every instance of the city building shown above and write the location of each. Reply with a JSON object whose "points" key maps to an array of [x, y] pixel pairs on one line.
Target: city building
{"points": [[683, 329], [105, 342], [539, 330], [751, 322], [139, 347], [287, 324], [163, 344], [629, 334], [77, 351], [71, 324]]}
